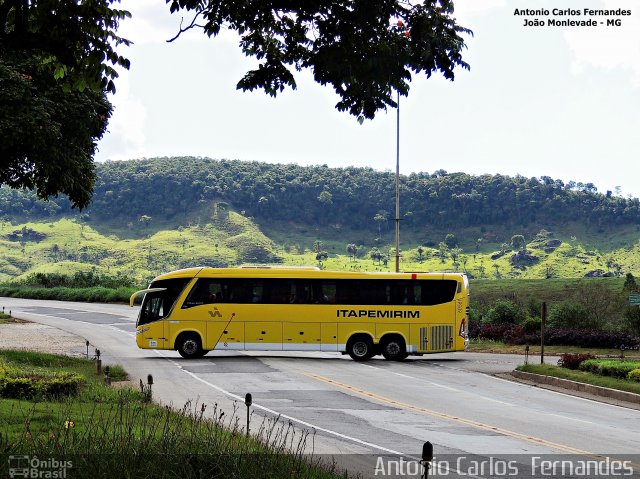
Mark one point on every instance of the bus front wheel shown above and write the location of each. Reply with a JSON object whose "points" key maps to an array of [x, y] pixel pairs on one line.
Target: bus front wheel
{"points": [[189, 346], [360, 348], [394, 349]]}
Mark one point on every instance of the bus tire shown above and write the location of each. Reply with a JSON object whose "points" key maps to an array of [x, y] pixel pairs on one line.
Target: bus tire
{"points": [[189, 346], [394, 348], [360, 348]]}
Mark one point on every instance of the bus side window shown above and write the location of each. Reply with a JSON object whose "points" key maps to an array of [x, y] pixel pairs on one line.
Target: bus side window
{"points": [[438, 291], [417, 289], [303, 293], [205, 291], [328, 293]]}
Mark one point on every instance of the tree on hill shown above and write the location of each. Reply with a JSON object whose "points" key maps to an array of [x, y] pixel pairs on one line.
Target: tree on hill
{"points": [[381, 217], [451, 240], [365, 51], [352, 251], [518, 242], [55, 67], [630, 283], [376, 255], [124, 191]]}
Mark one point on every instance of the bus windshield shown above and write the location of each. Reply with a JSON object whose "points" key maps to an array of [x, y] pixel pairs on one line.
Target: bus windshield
{"points": [[158, 304]]}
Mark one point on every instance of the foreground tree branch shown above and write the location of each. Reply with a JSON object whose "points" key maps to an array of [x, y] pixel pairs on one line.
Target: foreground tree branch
{"points": [[366, 50]]}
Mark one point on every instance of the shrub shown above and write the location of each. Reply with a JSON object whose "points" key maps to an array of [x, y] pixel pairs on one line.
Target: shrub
{"points": [[532, 324], [79, 279], [21, 385], [634, 375], [573, 360], [509, 333], [62, 386], [534, 307], [609, 367], [505, 312], [632, 319], [475, 316], [569, 314], [586, 338], [98, 294], [17, 388]]}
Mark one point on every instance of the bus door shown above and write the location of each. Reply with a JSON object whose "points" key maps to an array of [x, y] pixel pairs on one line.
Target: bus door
{"points": [[151, 331]]}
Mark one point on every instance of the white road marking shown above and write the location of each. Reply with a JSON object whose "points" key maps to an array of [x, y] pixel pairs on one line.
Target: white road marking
{"points": [[276, 413]]}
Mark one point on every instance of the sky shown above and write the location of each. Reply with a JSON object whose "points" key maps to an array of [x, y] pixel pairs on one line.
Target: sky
{"points": [[556, 101]]}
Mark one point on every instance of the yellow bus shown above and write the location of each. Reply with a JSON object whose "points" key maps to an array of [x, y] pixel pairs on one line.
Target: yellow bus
{"points": [[197, 310]]}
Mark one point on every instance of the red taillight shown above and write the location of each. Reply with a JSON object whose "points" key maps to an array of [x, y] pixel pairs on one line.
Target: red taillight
{"points": [[414, 276]]}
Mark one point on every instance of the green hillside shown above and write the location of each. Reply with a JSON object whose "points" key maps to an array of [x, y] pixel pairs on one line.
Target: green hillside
{"points": [[69, 245], [149, 216]]}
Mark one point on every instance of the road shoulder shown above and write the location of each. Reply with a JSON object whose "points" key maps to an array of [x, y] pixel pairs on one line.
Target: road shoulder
{"points": [[586, 391], [28, 336]]}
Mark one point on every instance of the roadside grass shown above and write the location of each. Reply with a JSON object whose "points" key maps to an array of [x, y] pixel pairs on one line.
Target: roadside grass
{"points": [[96, 294], [112, 432], [489, 346], [581, 377]]}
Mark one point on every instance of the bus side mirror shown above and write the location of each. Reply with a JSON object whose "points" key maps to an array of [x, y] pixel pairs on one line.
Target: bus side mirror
{"points": [[427, 452]]}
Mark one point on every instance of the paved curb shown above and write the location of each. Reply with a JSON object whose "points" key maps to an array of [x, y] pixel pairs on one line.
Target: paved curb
{"points": [[579, 387]]}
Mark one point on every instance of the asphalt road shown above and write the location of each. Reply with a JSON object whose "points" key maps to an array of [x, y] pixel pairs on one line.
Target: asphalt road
{"points": [[366, 415]]}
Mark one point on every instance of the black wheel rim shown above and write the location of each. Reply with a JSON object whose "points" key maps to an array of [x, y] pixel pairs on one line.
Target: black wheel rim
{"points": [[360, 349], [190, 346]]}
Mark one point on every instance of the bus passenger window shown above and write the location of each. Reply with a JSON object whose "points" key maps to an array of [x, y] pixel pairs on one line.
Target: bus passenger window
{"points": [[205, 291]]}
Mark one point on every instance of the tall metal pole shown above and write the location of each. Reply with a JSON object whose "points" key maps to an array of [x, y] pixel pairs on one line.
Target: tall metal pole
{"points": [[398, 186]]}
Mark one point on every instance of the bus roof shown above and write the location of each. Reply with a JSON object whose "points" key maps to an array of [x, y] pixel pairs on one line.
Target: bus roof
{"points": [[299, 272]]}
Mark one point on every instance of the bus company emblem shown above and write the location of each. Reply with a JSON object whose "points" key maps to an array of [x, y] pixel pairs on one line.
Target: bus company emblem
{"points": [[374, 313], [215, 313]]}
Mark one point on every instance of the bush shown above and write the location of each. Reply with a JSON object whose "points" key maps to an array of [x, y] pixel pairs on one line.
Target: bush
{"points": [[94, 294], [532, 325], [573, 360], [634, 375], [534, 307], [475, 316], [632, 319], [569, 314], [585, 338], [78, 280], [17, 388], [609, 367], [509, 333], [21, 385], [505, 312]]}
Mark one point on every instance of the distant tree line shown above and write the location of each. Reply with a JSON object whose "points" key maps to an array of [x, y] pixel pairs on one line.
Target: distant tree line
{"points": [[350, 197]]}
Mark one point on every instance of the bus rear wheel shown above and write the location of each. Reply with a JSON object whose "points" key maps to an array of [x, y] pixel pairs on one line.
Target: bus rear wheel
{"points": [[360, 348], [189, 346], [394, 349]]}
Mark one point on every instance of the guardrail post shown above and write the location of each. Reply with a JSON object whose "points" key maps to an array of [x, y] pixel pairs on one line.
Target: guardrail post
{"points": [[427, 457], [543, 324], [248, 400], [98, 363]]}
